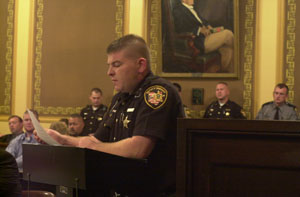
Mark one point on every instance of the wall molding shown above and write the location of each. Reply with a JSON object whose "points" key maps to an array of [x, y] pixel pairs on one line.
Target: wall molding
{"points": [[290, 48], [248, 56], [6, 107]]}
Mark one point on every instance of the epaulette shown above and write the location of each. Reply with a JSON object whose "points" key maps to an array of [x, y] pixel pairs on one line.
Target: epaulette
{"points": [[267, 103], [291, 105]]}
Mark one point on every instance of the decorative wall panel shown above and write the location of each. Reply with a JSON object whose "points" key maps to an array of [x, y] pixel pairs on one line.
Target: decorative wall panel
{"points": [[291, 47], [70, 41]]}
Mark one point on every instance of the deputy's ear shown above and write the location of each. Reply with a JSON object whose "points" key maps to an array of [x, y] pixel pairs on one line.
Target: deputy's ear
{"points": [[142, 62]]}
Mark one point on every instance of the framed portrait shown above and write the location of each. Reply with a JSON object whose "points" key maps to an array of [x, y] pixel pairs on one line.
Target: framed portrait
{"points": [[199, 38], [197, 96]]}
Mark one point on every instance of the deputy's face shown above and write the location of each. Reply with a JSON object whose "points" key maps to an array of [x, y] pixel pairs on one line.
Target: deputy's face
{"points": [[123, 71], [96, 99], [280, 95], [76, 125], [222, 91], [28, 126], [15, 126]]}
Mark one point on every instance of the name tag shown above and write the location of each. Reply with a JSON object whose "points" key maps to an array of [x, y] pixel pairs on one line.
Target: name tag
{"points": [[130, 109]]}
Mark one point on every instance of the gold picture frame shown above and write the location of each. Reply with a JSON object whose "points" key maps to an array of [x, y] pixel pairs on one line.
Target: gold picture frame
{"points": [[162, 64]]}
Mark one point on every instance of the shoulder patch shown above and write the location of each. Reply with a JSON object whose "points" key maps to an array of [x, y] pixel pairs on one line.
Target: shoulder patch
{"points": [[155, 96]]}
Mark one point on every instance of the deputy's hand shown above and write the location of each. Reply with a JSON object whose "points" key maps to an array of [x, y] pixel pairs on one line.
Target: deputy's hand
{"points": [[52, 133], [89, 142], [38, 139]]}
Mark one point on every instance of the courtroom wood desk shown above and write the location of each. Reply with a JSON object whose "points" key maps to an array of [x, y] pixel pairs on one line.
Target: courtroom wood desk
{"points": [[238, 158]]}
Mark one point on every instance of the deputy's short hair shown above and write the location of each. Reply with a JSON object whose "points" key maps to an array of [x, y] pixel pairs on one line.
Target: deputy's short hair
{"points": [[136, 46]]}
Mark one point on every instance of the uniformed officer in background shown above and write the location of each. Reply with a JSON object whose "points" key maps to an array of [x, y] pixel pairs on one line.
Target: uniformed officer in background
{"points": [[278, 109], [223, 107], [93, 114]]}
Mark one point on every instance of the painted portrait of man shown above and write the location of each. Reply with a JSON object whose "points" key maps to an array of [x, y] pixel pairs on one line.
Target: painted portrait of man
{"points": [[198, 36]]}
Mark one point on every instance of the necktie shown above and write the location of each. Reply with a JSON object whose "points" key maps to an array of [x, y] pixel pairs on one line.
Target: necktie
{"points": [[276, 117]]}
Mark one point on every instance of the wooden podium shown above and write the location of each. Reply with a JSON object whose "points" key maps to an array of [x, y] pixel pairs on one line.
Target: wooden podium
{"points": [[76, 169], [238, 158]]}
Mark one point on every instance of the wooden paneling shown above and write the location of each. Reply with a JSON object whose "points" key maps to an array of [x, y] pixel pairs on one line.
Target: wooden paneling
{"points": [[238, 158]]}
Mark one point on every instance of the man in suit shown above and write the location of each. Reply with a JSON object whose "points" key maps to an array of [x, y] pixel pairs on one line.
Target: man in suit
{"points": [[187, 20]]}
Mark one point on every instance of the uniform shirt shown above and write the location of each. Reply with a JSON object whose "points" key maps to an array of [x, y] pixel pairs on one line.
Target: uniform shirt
{"points": [[230, 110], [287, 111], [92, 118], [151, 110], [16, 150]]}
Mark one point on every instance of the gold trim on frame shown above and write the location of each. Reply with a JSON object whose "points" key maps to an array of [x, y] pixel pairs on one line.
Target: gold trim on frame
{"points": [[155, 35], [248, 56], [290, 48], [59, 111], [6, 107], [119, 18], [155, 45]]}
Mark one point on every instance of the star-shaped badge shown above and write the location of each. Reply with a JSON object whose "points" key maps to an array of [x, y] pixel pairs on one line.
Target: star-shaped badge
{"points": [[126, 122]]}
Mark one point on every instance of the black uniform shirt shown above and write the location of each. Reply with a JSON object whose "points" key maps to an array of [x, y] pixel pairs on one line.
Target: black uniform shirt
{"points": [[151, 110], [229, 110], [92, 118]]}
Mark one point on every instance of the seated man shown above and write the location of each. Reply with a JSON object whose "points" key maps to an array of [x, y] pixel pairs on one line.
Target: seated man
{"points": [[278, 109], [223, 107], [141, 120], [76, 126], [15, 124], [187, 20], [15, 146]]}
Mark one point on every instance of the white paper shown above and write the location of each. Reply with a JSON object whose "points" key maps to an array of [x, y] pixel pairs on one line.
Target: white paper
{"points": [[41, 131]]}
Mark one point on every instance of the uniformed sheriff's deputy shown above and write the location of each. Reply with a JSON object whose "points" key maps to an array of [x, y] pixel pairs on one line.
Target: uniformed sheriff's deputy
{"points": [[93, 114], [223, 107], [141, 120], [278, 109]]}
